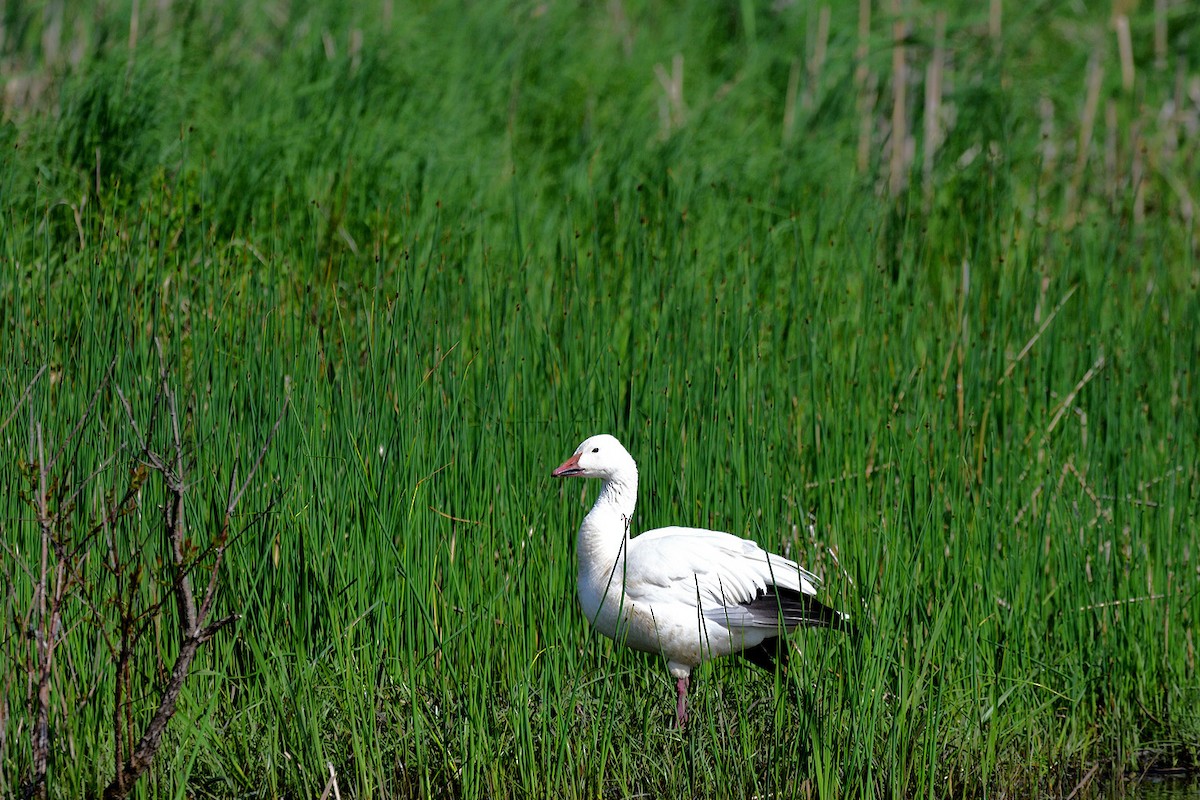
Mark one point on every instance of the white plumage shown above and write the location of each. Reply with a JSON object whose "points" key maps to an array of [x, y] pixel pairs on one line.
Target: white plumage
{"points": [[688, 594]]}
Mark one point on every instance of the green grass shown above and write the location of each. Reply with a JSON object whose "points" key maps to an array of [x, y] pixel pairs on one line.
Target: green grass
{"points": [[458, 240]]}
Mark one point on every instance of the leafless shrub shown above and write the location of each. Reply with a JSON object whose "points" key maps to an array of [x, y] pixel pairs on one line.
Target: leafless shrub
{"points": [[103, 564]]}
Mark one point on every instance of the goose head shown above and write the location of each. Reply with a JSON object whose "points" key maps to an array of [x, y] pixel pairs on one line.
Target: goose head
{"points": [[600, 456]]}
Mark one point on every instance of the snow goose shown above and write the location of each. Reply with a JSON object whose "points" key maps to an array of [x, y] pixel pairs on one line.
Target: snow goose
{"points": [[689, 594]]}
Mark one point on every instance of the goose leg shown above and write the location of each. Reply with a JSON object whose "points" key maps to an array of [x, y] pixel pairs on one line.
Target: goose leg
{"points": [[681, 715]]}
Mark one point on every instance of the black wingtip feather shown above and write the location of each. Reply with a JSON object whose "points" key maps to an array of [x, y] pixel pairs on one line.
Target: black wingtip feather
{"points": [[794, 609], [766, 654]]}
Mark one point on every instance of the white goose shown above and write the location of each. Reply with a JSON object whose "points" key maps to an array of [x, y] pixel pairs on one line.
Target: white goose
{"points": [[690, 594]]}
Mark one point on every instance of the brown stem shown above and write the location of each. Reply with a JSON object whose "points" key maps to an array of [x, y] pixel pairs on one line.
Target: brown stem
{"points": [[44, 628], [185, 599], [21, 399], [87, 414], [148, 745], [195, 632]]}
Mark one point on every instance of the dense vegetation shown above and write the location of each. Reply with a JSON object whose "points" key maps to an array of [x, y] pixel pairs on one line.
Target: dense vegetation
{"points": [[910, 294]]}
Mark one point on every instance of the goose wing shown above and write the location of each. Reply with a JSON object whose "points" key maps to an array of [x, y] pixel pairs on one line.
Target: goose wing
{"points": [[730, 580]]}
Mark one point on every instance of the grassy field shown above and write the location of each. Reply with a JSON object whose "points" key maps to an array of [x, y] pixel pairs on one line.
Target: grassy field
{"points": [[909, 293]]}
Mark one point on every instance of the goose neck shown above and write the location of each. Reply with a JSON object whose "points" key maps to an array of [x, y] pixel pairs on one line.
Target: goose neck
{"points": [[605, 530], [618, 495]]}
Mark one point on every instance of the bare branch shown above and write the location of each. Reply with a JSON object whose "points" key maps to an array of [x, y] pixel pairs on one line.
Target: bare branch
{"points": [[147, 746], [150, 612], [211, 630], [73, 497], [176, 439], [63, 571], [233, 501], [151, 459], [20, 562], [21, 400], [234, 498], [185, 599], [210, 591], [41, 630], [87, 414], [47, 629]]}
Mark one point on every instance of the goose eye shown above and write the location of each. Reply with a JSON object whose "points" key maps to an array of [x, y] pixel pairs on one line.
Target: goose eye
{"points": [[595, 449]]}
